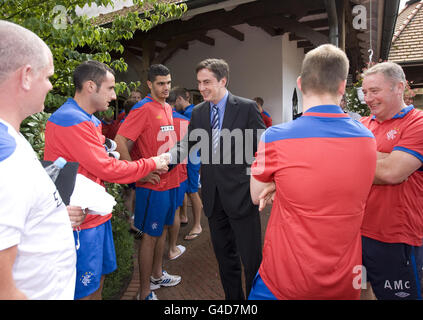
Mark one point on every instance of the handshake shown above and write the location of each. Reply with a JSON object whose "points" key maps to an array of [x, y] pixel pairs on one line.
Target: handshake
{"points": [[162, 162]]}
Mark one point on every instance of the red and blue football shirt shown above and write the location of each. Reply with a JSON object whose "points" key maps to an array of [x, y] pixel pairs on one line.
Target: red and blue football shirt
{"points": [[267, 119], [150, 125], [323, 165], [394, 213], [76, 136], [181, 128]]}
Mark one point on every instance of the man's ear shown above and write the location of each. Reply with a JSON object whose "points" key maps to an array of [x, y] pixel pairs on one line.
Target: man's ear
{"points": [[26, 74], [400, 88], [299, 83], [224, 81], [149, 84], [341, 87], [89, 86]]}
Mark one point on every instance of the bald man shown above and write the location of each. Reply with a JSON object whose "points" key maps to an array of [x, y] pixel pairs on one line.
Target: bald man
{"points": [[37, 249]]}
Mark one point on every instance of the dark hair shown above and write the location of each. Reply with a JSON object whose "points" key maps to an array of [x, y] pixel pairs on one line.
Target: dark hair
{"points": [[128, 104], [259, 100], [157, 70], [90, 70], [178, 92], [219, 67]]}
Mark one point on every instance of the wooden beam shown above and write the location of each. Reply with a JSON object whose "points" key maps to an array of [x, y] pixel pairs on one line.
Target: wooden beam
{"points": [[206, 39], [314, 24], [221, 18], [231, 31], [262, 23], [148, 53], [304, 44], [294, 37], [300, 29], [340, 8], [352, 46], [173, 46]]}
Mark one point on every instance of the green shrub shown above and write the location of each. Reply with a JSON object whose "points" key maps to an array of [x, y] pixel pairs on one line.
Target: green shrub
{"points": [[115, 282]]}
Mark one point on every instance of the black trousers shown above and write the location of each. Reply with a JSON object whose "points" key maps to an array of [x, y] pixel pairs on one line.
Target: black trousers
{"points": [[236, 240]]}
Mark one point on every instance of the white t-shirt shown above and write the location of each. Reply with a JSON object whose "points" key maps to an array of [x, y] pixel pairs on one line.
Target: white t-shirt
{"points": [[33, 217]]}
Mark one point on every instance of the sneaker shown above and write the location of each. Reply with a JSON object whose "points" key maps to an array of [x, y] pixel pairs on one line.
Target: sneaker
{"points": [[151, 296], [167, 280]]}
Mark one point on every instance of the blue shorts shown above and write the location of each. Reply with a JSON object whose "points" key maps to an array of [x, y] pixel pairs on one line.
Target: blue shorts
{"points": [[193, 176], [181, 193], [96, 256], [154, 210], [259, 290], [393, 269]]}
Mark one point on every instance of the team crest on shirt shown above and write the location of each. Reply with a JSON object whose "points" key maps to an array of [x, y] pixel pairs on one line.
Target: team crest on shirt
{"points": [[159, 116], [86, 278], [392, 134]]}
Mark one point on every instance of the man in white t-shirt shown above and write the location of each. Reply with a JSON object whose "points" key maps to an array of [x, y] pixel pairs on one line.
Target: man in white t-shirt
{"points": [[37, 248]]}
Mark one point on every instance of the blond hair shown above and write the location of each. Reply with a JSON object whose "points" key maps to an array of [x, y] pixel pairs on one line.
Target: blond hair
{"points": [[323, 69], [19, 47]]}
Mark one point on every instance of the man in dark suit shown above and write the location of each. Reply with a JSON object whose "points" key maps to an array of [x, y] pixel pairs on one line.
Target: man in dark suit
{"points": [[231, 126]]}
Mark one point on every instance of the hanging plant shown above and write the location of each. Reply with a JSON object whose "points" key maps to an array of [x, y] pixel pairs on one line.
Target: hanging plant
{"points": [[354, 103]]}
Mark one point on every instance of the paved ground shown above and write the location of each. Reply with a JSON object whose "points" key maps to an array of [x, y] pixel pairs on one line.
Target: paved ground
{"points": [[197, 266]]}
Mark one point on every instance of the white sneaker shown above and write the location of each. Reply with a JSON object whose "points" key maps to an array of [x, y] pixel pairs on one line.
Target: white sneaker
{"points": [[167, 280], [151, 296]]}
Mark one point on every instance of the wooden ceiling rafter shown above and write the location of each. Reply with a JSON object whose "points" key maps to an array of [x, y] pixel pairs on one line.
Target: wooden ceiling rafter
{"points": [[306, 22]]}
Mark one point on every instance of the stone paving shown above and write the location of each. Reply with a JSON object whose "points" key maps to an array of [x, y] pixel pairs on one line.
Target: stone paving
{"points": [[197, 266]]}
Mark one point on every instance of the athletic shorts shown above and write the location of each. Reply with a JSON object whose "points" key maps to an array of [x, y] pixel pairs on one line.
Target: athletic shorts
{"points": [[393, 269], [259, 290], [96, 256], [193, 171], [154, 210], [181, 193]]}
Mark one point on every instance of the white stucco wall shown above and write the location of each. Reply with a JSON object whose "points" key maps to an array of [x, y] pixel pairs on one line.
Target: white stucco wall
{"points": [[292, 58], [260, 65], [255, 65]]}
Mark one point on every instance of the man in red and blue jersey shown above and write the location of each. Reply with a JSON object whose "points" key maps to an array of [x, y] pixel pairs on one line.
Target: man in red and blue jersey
{"points": [[149, 127], [179, 97], [319, 169], [74, 133], [393, 222], [267, 119], [181, 127]]}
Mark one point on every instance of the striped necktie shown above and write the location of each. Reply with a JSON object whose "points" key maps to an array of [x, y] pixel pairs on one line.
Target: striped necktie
{"points": [[215, 128]]}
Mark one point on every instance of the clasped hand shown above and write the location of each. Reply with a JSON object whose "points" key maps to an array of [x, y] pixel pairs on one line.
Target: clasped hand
{"points": [[162, 162]]}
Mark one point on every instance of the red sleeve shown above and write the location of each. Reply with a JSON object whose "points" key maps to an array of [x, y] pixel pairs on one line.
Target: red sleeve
{"points": [[81, 143], [265, 164], [134, 124], [411, 139], [267, 120]]}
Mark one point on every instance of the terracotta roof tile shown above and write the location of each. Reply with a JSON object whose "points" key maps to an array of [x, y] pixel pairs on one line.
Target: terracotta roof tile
{"points": [[407, 43]]}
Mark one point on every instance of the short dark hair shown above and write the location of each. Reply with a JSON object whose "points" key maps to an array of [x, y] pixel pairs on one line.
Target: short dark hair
{"points": [[259, 100], [178, 92], [90, 70], [157, 70], [219, 67]]}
